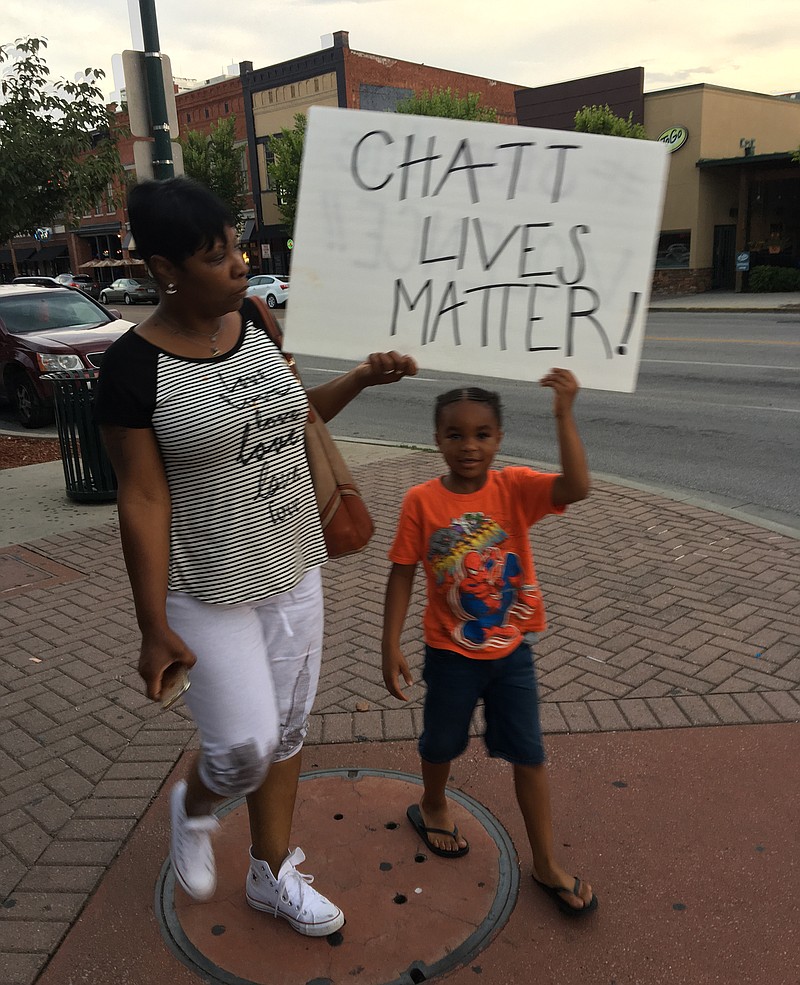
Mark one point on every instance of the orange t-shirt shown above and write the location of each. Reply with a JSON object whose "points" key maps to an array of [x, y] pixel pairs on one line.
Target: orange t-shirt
{"points": [[481, 583]]}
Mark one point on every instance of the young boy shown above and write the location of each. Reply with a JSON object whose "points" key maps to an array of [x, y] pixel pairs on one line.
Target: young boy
{"points": [[469, 528]]}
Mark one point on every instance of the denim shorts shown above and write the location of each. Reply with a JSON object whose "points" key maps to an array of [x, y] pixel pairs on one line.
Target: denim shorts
{"points": [[511, 706]]}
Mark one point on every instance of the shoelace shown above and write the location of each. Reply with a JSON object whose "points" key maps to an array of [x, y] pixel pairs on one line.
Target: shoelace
{"points": [[297, 880]]}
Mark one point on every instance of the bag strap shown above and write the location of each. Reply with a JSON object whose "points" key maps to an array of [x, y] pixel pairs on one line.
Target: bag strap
{"points": [[275, 335], [268, 323]]}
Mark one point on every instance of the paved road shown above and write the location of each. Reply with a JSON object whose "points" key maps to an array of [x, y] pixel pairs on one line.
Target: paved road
{"points": [[715, 413]]}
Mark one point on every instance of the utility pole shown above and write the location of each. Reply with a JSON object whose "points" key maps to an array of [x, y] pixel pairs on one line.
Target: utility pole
{"points": [[162, 148]]}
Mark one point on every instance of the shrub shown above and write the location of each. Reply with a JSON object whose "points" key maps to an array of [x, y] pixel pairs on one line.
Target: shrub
{"points": [[765, 280]]}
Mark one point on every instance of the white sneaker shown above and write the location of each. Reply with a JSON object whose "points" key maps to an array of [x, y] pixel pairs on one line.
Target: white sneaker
{"points": [[290, 896], [190, 847]]}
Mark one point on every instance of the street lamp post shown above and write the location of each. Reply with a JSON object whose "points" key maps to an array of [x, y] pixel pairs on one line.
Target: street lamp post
{"points": [[162, 148]]}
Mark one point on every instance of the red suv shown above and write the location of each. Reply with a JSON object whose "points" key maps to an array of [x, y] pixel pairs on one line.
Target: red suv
{"points": [[45, 329]]}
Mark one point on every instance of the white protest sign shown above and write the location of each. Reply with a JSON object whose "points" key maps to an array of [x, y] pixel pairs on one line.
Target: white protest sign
{"points": [[476, 247]]}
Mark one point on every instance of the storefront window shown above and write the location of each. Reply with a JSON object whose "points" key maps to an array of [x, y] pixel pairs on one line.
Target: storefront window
{"points": [[673, 249]]}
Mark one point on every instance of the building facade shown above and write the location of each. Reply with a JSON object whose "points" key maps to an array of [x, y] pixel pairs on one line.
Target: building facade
{"points": [[733, 194], [339, 76], [100, 243]]}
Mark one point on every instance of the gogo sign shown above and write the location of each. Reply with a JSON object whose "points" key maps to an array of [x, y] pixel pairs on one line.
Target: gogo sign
{"points": [[674, 137]]}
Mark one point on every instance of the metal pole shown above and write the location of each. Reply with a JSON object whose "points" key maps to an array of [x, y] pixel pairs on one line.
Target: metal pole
{"points": [[162, 148]]}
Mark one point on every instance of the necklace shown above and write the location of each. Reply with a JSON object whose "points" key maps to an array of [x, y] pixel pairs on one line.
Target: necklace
{"points": [[210, 341]]}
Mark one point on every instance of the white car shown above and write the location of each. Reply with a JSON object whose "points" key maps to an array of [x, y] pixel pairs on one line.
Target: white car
{"points": [[272, 288]]}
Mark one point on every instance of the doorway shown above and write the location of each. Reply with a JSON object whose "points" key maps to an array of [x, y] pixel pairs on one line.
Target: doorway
{"points": [[723, 273]]}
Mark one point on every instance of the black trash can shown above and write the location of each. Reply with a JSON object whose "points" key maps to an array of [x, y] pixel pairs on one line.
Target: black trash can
{"points": [[87, 469]]}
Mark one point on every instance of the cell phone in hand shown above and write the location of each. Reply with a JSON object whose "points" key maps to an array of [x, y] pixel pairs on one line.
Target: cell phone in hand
{"points": [[174, 682]]}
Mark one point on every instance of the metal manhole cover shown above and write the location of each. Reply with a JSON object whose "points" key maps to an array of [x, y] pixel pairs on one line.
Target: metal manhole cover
{"points": [[411, 915]]}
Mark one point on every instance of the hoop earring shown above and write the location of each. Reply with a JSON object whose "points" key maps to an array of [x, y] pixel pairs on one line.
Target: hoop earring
{"points": [[171, 289]]}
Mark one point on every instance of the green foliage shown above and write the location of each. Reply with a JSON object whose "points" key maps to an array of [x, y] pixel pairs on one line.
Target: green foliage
{"points": [[445, 102], [796, 156], [58, 151], [284, 169], [601, 119], [216, 161], [766, 280]]}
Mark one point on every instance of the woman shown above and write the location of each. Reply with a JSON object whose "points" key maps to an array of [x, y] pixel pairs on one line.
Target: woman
{"points": [[203, 422]]}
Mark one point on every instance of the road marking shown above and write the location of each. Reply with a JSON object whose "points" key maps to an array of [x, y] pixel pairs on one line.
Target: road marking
{"points": [[697, 362], [709, 403], [691, 338], [341, 372]]}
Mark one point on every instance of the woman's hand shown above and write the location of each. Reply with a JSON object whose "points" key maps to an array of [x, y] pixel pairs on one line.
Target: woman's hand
{"points": [[385, 367], [159, 652], [377, 368]]}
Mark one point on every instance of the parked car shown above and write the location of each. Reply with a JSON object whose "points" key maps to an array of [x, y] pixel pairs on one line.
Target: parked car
{"points": [[131, 290], [272, 288], [83, 282], [39, 279], [43, 330]]}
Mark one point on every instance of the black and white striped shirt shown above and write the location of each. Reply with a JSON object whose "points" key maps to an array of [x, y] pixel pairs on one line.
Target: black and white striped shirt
{"points": [[231, 434]]}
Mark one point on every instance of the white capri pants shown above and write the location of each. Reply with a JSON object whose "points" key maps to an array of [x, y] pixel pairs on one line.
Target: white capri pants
{"points": [[254, 682]]}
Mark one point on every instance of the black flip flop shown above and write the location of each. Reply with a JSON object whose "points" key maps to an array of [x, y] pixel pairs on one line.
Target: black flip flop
{"points": [[414, 815], [554, 892]]}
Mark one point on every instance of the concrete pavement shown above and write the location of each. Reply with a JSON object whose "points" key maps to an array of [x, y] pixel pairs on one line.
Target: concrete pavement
{"points": [[670, 684], [784, 302]]}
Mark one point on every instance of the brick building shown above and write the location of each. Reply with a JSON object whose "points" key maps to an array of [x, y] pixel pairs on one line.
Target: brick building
{"points": [[99, 244], [336, 75], [263, 101]]}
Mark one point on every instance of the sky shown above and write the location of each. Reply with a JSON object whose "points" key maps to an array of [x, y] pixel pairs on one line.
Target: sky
{"points": [[737, 43]]}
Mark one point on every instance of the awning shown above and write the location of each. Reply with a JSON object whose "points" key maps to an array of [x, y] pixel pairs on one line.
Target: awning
{"points": [[89, 263], [102, 229], [22, 254], [249, 229], [749, 160], [51, 252]]}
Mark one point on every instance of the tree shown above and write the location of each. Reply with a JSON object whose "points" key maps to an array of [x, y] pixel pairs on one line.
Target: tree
{"points": [[287, 147], [58, 150], [602, 119], [445, 102], [216, 161], [284, 169]]}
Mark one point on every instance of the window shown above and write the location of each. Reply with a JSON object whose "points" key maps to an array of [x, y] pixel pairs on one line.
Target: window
{"points": [[207, 113], [243, 167], [188, 117], [226, 107], [265, 158], [673, 249]]}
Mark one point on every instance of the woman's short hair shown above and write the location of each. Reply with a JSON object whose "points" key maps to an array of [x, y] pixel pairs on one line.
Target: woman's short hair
{"points": [[474, 393], [175, 218]]}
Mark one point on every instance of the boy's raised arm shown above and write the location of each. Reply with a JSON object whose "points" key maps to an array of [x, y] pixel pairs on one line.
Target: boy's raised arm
{"points": [[573, 483], [398, 596]]}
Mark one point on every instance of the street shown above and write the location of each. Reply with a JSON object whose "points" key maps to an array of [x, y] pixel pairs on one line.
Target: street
{"points": [[715, 412]]}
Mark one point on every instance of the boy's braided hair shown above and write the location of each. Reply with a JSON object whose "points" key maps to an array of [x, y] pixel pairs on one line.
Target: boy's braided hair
{"points": [[474, 393]]}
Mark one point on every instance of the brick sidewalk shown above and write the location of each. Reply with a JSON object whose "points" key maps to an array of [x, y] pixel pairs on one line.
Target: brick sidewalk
{"points": [[662, 615]]}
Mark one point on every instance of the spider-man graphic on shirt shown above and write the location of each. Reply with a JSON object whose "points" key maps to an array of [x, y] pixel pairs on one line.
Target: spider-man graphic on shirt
{"points": [[485, 583]]}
